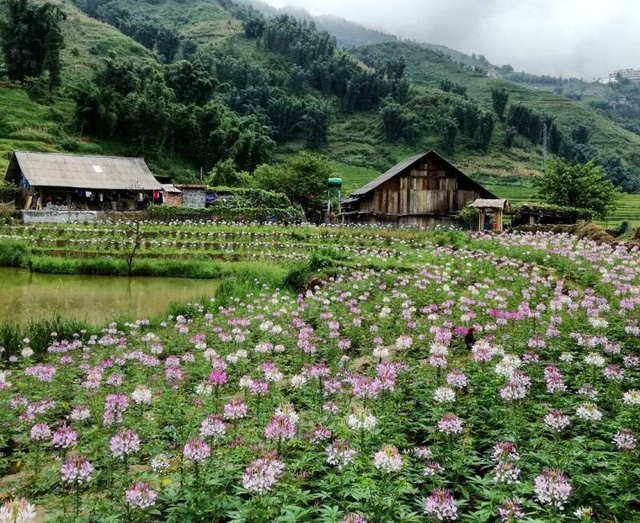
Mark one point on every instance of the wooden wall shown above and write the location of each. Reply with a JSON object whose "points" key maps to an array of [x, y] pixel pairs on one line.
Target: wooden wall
{"points": [[429, 188]]}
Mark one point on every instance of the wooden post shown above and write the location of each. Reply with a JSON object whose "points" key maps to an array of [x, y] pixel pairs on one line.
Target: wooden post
{"points": [[481, 218], [499, 220]]}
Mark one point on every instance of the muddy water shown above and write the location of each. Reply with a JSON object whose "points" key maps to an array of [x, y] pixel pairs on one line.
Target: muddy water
{"points": [[98, 299]]}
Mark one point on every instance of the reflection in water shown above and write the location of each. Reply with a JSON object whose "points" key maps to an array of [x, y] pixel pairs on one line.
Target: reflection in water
{"points": [[25, 296]]}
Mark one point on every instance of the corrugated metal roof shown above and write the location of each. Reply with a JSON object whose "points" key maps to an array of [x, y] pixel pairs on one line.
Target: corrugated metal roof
{"points": [[497, 203], [167, 187], [85, 172]]}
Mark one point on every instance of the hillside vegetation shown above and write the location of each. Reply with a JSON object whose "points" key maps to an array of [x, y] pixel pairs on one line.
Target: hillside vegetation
{"points": [[190, 84]]}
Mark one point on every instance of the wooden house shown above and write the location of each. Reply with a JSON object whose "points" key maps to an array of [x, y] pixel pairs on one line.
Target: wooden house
{"points": [[64, 182], [424, 190]]}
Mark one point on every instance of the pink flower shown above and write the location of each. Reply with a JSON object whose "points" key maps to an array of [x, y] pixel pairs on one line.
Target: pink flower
{"points": [[76, 471], [40, 432], [217, 377], [212, 427], [123, 443], [262, 474], [115, 406], [510, 510], [319, 434], [552, 488], [457, 379], [235, 409], [441, 505], [64, 437], [557, 420], [388, 459], [505, 451], [18, 510], [140, 496], [431, 468], [44, 373], [196, 450], [340, 454], [353, 518], [625, 440], [450, 424], [280, 428]]}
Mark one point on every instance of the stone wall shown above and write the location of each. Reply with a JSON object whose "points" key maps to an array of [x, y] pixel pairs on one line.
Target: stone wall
{"points": [[194, 198], [31, 217]]}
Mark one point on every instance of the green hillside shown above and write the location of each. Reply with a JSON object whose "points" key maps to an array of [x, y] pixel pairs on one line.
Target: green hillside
{"points": [[273, 87]]}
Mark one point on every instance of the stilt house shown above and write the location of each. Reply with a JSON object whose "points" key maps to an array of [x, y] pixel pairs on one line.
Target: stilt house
{"points": [[424, 190]]}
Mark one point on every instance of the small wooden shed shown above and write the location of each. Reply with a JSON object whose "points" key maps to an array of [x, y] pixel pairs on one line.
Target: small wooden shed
{"points": [[493, 206], [424, 190], [171, 194]]}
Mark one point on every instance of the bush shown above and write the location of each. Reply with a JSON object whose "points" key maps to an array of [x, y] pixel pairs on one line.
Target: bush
{"points": [[14, 253]]}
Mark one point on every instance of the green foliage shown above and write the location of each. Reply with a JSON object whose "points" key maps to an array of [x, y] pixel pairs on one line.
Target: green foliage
{"points": [[398, 122], [38, 332], [302, 178], [448, 86], [499, 101], [14, 253], [561, 213], [146, 30], [583, 186], [624, 227], [190, 82], [31, 39], [224, 173], [130, 99], [449, 134]]}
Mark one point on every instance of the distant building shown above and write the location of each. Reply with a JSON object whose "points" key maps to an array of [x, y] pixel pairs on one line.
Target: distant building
{"points": [[424, 190], [66, 182], [172, 195], [493, 73], [194, 196], [628, 74]]}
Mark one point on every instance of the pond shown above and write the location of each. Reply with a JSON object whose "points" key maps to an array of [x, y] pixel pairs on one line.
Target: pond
{"points": [[26, 296]]}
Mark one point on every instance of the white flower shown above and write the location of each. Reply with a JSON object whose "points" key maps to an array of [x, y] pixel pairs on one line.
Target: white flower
{"points": [[444, 395], [589, 411], [593, 358], [142, 395], [631, 397], [362, 420]]}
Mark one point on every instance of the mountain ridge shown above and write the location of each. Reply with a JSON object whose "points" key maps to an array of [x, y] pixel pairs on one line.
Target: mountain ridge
{"points": [[356, 140]]}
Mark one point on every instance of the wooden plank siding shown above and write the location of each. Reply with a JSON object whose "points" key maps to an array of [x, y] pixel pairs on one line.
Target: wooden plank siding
{"points": [[424, 192]]}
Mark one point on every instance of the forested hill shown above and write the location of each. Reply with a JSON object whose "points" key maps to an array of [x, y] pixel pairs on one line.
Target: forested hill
{"points": [[194, 84]]}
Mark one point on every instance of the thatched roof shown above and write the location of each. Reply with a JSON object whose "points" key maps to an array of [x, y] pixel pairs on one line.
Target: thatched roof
{"points": [[406, 164], [490, 203], [81, 172]]}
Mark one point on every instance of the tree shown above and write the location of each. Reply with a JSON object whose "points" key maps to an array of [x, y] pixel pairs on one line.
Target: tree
{"points": [[499, 99], [190, 82], [303, 179], [449, 134], [584, 186], [31, 40], [224, 174], [398, 122]]}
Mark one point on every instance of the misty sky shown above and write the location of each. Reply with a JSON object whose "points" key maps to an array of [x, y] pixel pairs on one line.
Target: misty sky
{"points": [[584, 38]]}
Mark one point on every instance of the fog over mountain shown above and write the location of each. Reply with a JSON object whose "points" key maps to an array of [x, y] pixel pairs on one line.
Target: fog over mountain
{"points": [[584, 38]]}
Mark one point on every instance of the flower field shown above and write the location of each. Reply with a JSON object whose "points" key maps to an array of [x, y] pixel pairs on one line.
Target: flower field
{"points": [[361, 399]]}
